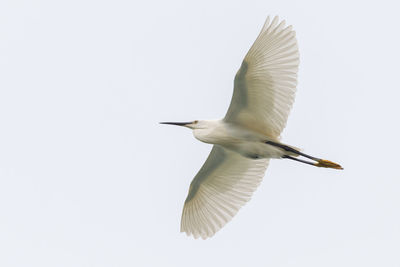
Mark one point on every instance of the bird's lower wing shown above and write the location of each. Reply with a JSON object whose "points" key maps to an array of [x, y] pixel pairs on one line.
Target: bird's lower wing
{"points": [[223, 185], [265, 84]]}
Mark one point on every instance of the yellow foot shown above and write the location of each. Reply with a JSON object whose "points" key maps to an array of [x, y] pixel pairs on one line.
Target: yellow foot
{"points": [[328, 164]]}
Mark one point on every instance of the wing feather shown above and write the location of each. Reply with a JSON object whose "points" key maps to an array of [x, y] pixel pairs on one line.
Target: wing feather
{"points": [[265, 84], [221, 187]]}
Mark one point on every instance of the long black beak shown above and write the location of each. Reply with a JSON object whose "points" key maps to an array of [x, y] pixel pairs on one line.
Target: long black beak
{"points": [[176, 123]]}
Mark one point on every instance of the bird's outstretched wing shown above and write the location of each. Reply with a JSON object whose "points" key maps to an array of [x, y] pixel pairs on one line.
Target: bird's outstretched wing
{"points": [[223, 185], [265, 84]]}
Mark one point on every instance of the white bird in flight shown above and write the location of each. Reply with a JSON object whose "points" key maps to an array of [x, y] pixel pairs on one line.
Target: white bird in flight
{"points": [[248, 136]]}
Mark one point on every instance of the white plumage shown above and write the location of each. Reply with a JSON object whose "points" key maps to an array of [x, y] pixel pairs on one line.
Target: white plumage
{"points": [[248, 136], [222, 186], [265, 84]]}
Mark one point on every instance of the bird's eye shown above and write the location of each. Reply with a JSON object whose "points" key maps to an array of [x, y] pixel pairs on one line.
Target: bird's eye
{"points": [[196, 121]]}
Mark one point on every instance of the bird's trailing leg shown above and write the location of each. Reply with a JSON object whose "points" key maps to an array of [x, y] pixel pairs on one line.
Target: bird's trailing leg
{"points": [[318, 162], [300, 160]]}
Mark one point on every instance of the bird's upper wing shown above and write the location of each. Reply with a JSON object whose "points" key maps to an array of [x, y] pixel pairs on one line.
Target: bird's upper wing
{"points": [[265, 84], [221, 187]]}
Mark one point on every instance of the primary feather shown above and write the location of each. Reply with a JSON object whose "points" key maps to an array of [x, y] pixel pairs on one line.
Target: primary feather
{"points": [[221, 187], [265, 84]]}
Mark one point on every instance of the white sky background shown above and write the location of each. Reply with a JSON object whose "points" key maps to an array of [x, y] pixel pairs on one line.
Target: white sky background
{"points": [[89, 178]]}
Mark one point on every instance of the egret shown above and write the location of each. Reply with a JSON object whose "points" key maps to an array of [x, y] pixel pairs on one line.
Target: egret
{"points": [[249, 134]]}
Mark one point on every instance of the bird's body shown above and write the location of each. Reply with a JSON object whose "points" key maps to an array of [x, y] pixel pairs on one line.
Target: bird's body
{"points": [[236, 138], [249, 134]]}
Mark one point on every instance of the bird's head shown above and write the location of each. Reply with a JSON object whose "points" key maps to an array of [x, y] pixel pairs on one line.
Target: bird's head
{"points": [[191, 125]]}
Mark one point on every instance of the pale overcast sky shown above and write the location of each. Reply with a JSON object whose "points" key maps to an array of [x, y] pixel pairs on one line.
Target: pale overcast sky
{"points": [[89, 178]]}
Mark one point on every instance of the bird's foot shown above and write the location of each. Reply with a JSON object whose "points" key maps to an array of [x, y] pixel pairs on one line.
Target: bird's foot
{"points": [[328, 164]]}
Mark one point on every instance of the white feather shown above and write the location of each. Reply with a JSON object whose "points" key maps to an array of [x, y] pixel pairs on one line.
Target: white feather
{"points": [[265, 84], [223, 185]]}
